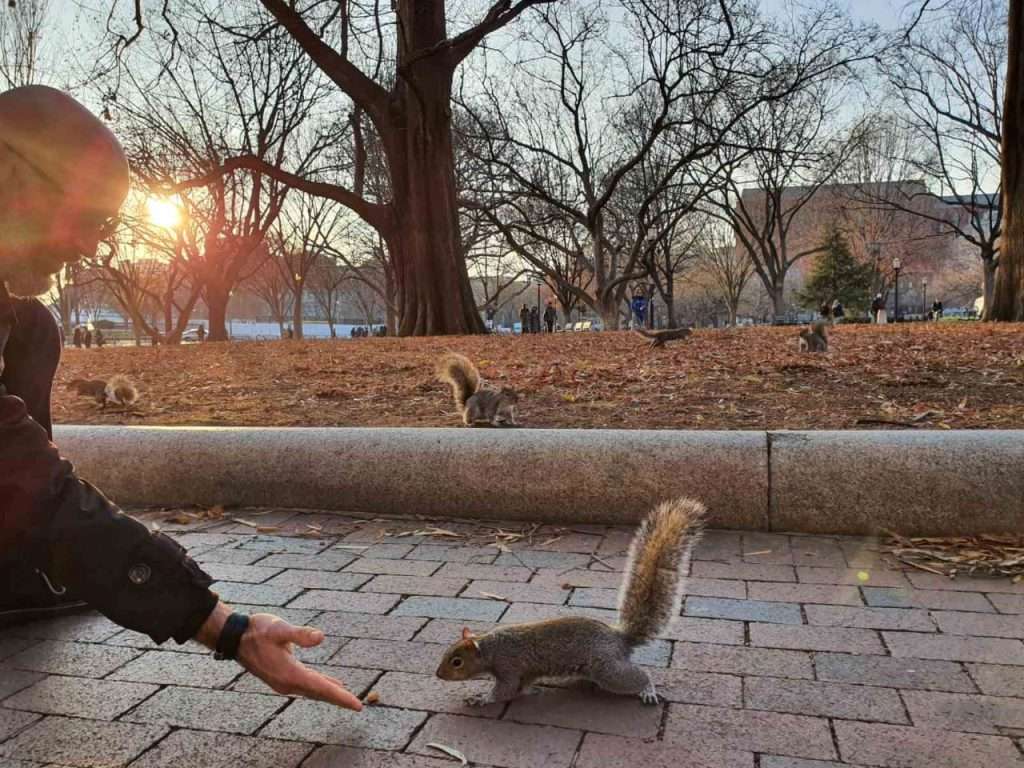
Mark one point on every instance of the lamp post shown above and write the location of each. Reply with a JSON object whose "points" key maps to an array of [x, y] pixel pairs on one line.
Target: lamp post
{"points": [[924, 297], [896, 265], [651, 288]]}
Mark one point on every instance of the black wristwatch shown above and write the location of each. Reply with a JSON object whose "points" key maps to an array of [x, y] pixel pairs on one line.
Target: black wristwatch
{"points": [[231, 637]]}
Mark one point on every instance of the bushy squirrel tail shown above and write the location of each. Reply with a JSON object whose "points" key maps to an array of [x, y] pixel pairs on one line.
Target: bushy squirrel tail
{"points": [[653, 587], [121, 391], [458, 372]]}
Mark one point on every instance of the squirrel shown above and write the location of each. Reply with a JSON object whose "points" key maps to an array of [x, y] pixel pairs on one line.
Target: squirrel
{"points": [[117, 390], [659, 338], [478, 404], [651, 593], [814, 338]]}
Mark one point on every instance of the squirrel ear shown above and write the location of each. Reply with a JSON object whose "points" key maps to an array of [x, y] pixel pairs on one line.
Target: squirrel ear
{"points": [[467, 633]]}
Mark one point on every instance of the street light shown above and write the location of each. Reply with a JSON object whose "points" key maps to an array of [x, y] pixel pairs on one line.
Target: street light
{"points": [[896, 265]]}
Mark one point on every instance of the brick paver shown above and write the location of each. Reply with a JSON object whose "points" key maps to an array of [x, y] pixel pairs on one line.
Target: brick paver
{"points": [[80, 697], [503, 744], [790, 652], [185, 749], [373, 728]]}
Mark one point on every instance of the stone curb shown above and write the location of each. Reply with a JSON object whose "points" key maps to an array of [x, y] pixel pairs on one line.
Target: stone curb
{"points": [[917, 483]]}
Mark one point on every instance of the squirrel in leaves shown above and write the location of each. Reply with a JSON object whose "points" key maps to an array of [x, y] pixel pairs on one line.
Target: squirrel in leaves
{"points": [[116, 390], [478, 404], [579, 647], [660, 338], [814, 338]]}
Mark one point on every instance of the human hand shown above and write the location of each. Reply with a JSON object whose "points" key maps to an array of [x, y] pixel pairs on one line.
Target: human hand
{"points": [[266, 652]]}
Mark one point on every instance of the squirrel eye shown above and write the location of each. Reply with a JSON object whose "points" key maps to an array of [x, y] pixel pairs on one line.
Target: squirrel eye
{"points": [[456, 662]]}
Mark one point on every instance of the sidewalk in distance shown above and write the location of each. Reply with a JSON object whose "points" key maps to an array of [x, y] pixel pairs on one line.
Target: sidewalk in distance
{"points": [[791, 652]]}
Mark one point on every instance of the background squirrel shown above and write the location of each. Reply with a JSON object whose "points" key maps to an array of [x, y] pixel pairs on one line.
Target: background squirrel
{"points": [[658, 338], [650, 597], [116, 390], [814, 338], [477, 404]]}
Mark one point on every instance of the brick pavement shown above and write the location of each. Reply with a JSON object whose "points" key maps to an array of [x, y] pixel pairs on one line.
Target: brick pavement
{"points": [[791, 652]]}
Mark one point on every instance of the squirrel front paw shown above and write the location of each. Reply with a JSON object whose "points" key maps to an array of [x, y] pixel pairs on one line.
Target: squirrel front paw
{"points": [[650, 698], [479, 700]]}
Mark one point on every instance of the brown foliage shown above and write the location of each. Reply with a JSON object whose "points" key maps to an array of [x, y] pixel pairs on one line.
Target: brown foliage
{"points": [[955, 375]]}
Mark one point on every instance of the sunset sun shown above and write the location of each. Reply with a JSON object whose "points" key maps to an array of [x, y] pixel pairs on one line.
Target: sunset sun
{"points": [[163, 212]]}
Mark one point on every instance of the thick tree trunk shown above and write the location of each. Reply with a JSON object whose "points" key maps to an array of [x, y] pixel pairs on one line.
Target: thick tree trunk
{"points": [[432, 283], [610, 310], [217, 303], [297, 311], [1008, 298]]}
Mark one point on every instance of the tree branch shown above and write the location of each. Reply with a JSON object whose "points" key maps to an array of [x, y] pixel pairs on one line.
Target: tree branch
{"points": [[377, 215]]}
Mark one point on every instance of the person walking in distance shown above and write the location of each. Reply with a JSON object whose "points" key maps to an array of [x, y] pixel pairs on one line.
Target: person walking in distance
{"points": [[524, 319], [549, 318]]}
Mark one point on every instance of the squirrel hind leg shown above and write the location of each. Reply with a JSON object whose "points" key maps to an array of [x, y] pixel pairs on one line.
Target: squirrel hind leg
{"points": [[626, 678]]}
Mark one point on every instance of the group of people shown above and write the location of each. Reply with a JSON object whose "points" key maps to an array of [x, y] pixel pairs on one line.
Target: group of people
{"points": [[530, 318], [84, 337], [362, 332]]}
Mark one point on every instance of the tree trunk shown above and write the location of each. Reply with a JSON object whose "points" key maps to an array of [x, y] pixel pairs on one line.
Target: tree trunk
{"points": [[297, 310], [390, 302], [1008, 298], [733, 305], [989, 269], [434, 294], [609, 309], [777, 292], [217, 302]]}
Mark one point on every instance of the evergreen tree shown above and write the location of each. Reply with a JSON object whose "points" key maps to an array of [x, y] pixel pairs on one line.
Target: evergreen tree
{"points": [[837, 275]]}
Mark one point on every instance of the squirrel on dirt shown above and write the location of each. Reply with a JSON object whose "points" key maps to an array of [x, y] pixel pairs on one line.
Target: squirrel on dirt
{"points": [[659, 338], [477, 403], [579, 647], [117, 390]]}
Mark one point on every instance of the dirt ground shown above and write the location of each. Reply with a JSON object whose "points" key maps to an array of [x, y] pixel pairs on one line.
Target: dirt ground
{"points": [[955, 375]]}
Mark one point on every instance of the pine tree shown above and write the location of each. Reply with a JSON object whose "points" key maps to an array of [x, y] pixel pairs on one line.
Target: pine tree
{"points": [[837, 275]]}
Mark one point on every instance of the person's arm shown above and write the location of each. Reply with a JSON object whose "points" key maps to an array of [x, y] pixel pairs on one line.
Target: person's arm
{"points": [[138, 578]]}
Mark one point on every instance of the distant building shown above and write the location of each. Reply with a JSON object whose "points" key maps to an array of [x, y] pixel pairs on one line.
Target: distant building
{"points": [[878, 233]]}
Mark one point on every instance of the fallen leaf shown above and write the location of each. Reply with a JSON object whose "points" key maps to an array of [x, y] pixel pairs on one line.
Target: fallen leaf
{"points": [[450, 751]]}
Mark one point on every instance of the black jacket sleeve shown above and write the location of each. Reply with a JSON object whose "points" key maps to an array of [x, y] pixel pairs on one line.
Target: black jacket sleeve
{"points": [[61, 525]]}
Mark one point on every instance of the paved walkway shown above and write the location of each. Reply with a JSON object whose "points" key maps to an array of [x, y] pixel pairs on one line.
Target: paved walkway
{"points": [[793, 652]]}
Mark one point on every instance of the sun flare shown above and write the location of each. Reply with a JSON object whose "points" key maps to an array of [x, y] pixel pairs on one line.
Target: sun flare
{"points": [[163, 212]]}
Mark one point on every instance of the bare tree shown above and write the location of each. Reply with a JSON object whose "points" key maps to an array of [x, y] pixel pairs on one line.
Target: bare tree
{"points": [[723, 268], [783, 151], [268, 282], [23, 25], [396, 63], [583, 108], [326, 284], [948, 78], [218, 100]]}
